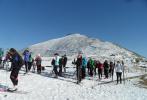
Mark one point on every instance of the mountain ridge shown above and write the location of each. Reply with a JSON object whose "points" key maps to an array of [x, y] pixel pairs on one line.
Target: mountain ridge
{"points": [[71, 44]]}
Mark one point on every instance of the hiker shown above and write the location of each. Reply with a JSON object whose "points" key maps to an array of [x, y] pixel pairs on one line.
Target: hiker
{"points": [[84, 65], [60, 66], [78, 67], [91, 66], [30, 63], [17, 63], [100, 69], [57, 58], [106, 69], [26, 54], [111, 70], [1, 55], [53, 64], [33, 65], [64, 63], [95, 67], [38, 63], [7, 59], [119, 70], [88, 67]]}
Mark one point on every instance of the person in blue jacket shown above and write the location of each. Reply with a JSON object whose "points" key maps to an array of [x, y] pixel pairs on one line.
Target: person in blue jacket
{"points": [[84, 65], [17, 63], [26, 54]]}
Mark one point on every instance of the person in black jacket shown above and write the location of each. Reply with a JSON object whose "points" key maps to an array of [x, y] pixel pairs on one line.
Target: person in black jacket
{"points": [[60, 66], [64, 62], [106, 69], [17, 63], [78, 68]]}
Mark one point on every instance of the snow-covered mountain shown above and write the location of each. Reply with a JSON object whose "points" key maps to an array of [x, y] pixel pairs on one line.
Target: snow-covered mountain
{"points": [[90, 47]]}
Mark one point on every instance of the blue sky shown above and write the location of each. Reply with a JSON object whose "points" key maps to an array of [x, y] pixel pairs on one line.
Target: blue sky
{"points": [[25, 22]]}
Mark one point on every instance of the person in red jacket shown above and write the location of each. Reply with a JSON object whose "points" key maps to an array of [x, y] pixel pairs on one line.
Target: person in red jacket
{"points": [[38, 63], [100, 69]]}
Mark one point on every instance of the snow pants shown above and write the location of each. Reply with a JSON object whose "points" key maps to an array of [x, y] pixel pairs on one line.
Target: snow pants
{"points": [[106, 72], [100, 73], [14, 76], [29, 65], [91, 71], [119, 77], [60, 70], [39, 69], [64, 67], [79, 76], [55, 70], [26, 66], [83, 72]]}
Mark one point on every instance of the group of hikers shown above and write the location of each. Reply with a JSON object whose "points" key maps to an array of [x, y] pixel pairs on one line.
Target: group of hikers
{"points": [[94, 67], [88, 67], [59, 62], [29, 62], [17, 61]]}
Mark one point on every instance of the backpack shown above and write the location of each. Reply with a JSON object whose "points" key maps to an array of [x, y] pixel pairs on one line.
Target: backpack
{"points": [[53, 62], [21, 61]]}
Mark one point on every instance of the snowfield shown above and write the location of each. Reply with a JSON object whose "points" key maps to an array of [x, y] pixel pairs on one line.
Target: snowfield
{"points": [[43, 87]]}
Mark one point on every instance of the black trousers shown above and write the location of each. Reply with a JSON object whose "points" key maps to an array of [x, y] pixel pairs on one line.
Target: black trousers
{"points": [[100, 73], [60, 70], [39, 69], [119, 77], [26, 66], [14, 76], [106, 72], [29, 65], [83, 72], [88, 71], [64, 66], [79, 74], [95, 70], [55, 70], [91, 71]]}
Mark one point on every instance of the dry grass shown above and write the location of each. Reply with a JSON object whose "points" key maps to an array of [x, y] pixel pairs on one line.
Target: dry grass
{"points": [[143, 80]]}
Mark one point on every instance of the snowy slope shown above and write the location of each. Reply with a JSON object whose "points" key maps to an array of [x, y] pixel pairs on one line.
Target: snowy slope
{"points": [[43, 87]]}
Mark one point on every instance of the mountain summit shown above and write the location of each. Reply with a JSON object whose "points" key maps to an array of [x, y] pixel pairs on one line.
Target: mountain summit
{"points": [[73, 43]]}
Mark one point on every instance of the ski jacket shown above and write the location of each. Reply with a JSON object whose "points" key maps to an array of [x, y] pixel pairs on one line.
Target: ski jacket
{"points": [[61, 61], [17, 61], [64, 61], [92, 63], [26, 56], [84, 62], [38, 61], [30, 58], [119, 68], [106, 66], [100, 66], [57, 58], [111, 66], [79, 61]]}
